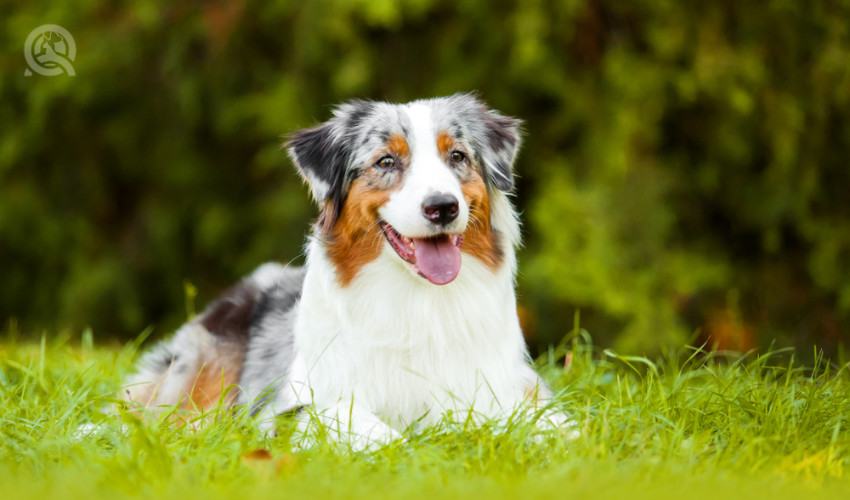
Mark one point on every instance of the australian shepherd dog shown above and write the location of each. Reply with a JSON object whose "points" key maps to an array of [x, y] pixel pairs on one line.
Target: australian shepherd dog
{"points": [[405, 310]]}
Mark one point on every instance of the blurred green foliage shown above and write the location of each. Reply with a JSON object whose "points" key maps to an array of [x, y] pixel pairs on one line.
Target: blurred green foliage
{"points": [[685, 168]]}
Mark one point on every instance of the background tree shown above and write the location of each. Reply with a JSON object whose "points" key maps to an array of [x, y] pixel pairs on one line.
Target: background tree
{"points": [[685, 168]]}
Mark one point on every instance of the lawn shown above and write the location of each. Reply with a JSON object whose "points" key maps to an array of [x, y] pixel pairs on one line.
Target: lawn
{"points": [[690, 425]]}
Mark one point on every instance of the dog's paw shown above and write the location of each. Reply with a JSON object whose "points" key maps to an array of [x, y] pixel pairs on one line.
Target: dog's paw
{"points": [[556, 422], [93, 431], [267, 428], [374, 439], [86, 431]]}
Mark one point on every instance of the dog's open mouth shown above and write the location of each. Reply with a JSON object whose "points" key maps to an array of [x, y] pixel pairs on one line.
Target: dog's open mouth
{"points": [[435, 258]]}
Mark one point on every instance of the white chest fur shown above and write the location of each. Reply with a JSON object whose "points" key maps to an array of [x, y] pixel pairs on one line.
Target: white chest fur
{"points": [[406, 349]]}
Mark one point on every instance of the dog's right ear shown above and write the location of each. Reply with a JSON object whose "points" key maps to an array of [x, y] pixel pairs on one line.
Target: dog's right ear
{"points": [[320, 157]]}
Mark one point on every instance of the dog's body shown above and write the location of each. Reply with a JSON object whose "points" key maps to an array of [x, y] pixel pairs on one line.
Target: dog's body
{"points": [[384, 326]]}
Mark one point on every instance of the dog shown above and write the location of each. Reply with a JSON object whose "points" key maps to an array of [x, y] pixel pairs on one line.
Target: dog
{"points": [[405, 310]]}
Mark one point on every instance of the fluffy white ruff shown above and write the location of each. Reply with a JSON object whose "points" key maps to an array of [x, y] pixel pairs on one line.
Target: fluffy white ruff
{"points": [[391, 349]]}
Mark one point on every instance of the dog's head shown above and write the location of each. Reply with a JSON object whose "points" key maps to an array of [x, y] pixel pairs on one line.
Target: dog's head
{"points": [[413, 177]]}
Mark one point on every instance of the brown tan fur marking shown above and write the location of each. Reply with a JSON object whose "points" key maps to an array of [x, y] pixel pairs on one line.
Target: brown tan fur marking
{"points": [[218, 372], [445, 143], [398, 145], [356, 238], [479, 239]]}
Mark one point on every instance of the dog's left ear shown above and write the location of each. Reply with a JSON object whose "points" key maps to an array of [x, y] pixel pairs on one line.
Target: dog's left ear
{"points": [[500, 148], [320, 158]]}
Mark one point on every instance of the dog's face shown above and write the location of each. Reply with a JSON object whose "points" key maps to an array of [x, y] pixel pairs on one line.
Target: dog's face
{"points": [[409, 178]]}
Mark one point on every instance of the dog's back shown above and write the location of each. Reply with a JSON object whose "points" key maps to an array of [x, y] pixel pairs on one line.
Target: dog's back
{"points": [[205, 362]]}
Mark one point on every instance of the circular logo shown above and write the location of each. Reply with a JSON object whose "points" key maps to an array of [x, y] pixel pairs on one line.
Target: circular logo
{"points": [[50, 50]]}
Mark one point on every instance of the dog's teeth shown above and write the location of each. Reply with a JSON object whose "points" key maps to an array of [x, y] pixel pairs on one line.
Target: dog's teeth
{"points": [[411, 245], [406, 239]]}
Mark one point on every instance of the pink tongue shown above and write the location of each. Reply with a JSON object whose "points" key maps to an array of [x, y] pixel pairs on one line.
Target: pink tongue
{"points": [[438, 259]]}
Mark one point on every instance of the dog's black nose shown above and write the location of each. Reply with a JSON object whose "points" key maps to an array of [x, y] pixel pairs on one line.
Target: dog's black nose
{"points": [[440, 208]]}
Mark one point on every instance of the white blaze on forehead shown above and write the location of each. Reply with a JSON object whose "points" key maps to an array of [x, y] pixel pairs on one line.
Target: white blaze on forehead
{"points": [[427, 174], [423, 133]]}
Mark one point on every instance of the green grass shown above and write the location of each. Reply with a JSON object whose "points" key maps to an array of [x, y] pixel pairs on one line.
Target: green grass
{"points": [[692, 425]]}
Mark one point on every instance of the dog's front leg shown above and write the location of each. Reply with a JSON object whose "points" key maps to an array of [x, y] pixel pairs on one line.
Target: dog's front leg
{"points": [[550, 418], [349, 424]]}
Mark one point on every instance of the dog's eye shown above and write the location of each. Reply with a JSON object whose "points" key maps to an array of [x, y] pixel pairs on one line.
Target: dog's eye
{"points": [[457, 157], [386, 162]]}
